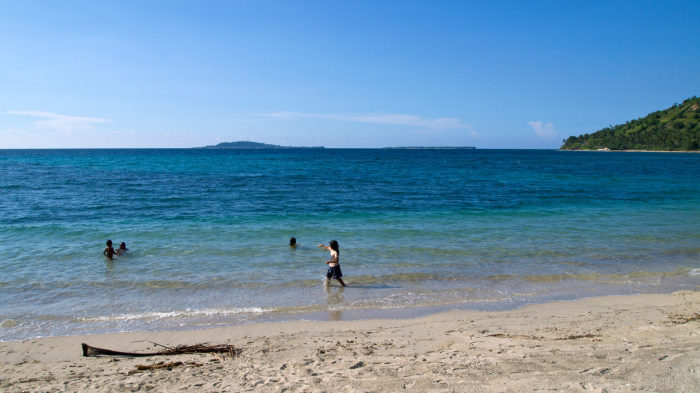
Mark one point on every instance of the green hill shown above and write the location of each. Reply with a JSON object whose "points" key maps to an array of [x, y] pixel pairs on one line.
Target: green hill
{"points": [[676, 129]]}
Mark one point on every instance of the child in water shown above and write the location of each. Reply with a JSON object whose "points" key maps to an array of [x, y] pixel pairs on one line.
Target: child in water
{"points": [[293, 242], [333, 263], [122, 249], [109, 250]]}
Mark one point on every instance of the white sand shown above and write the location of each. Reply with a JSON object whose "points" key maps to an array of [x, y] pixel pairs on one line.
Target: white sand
{"points": [[609, 344]]}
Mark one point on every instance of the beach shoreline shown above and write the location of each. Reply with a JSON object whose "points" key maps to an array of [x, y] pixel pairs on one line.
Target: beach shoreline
{"points": [[612, 343], [634, 151]]}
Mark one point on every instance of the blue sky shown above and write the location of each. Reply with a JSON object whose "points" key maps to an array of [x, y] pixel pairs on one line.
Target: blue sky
{"points": [[512, 74]]}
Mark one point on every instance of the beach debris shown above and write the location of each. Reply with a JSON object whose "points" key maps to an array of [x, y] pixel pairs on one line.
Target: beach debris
{"points": [[577, 336], [225, 349], [569, 337], [357, 365], [680, 319], [514, 336], [160, 365]]}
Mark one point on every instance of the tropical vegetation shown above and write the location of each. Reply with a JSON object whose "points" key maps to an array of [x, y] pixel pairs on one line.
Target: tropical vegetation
{"points": [[674, 129]]}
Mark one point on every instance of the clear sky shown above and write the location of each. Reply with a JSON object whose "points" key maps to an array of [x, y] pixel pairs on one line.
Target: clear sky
{"points": [[490, 74]]}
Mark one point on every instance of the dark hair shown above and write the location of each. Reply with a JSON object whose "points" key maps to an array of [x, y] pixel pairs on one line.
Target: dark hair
{"points": [[334, 246], [123, 245], [109, 243], [292, 241]]}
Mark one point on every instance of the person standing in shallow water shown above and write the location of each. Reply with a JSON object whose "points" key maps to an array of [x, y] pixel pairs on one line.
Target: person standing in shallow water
{"points": [[333, 263], [109, 250]]}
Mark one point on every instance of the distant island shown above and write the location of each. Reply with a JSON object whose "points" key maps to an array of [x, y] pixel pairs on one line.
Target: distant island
{"points": [[432, 147], [674, 129], [261, 146], [254, 145]]}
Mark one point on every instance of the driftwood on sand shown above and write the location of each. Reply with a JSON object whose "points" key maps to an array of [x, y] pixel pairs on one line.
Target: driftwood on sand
{"points": [[180, 349], [162, 365]]}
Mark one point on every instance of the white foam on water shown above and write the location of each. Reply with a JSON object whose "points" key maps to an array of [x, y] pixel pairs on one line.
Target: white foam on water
{"points": [[175, 314]]}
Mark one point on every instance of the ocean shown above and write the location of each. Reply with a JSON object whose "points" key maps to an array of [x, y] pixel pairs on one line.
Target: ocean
{"points": [[420, 231]]}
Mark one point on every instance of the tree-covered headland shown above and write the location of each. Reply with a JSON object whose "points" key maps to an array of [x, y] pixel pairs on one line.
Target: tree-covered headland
{"points": [[674, 129]]}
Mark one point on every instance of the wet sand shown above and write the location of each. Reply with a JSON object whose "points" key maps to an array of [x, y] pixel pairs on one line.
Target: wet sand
{"points": [[606, 344]]}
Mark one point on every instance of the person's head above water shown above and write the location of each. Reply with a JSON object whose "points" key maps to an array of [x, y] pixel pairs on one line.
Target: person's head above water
{"points": [[293, 241], [109, 243], [122, 246], [334, 245]]}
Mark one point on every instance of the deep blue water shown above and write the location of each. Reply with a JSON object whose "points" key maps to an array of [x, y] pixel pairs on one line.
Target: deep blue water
{"points": [[418, 230]]}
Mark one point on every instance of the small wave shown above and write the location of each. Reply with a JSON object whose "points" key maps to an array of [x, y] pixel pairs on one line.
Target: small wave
{"points": [[147, 284], [8, 323], [694, 272], [175, 314], [543, 278], [383, 281]]}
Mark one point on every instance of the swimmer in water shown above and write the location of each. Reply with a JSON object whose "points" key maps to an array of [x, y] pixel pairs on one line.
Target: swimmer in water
{"points": [[109, 250], [122, 249]]}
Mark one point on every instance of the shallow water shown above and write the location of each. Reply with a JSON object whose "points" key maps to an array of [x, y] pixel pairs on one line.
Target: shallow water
{"points": [[419, 230]]}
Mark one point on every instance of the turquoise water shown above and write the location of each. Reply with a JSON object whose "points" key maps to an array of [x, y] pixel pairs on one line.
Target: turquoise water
{"points": [[419, 231]]}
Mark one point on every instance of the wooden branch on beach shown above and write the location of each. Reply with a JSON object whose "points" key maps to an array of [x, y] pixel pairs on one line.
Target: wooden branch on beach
{"points": [[180, 349], [162, 365]]}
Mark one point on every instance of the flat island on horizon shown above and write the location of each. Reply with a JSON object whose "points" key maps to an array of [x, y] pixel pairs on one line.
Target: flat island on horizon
{"points": [[258, 145], [431, 147], [254, 145]]}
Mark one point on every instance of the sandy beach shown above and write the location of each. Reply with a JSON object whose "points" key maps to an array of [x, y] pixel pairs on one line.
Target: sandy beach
{"points": [[606, 344]]}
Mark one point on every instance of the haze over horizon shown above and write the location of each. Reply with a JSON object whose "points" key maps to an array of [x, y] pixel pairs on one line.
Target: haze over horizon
{"points": [[80, 74]]}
